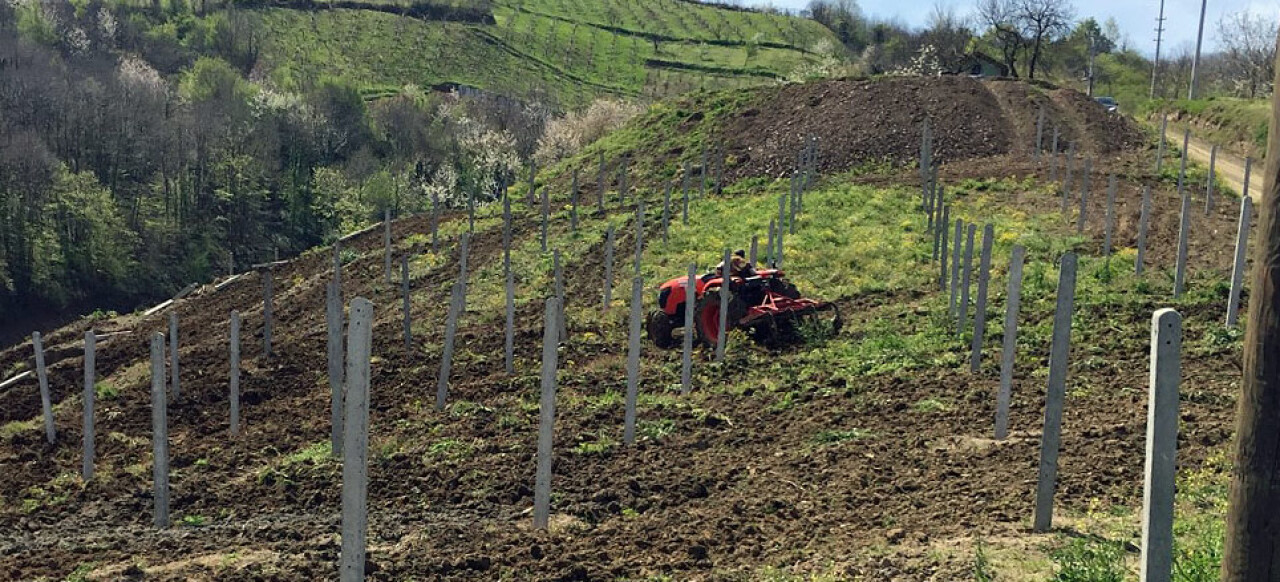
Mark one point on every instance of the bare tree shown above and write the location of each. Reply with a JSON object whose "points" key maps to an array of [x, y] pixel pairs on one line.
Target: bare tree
{"points": [[1000, 17], [949, 34], [1042, 21], [1249, 51]]}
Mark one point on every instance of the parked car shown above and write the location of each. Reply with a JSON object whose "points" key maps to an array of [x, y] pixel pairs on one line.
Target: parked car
{"points": [[1109, 103]]}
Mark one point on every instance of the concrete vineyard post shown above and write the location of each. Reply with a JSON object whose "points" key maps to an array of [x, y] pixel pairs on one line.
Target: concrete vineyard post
{"points": [[685, 208], [1184, 227], [639, 251], [721, 340], [1248, 169], [1208, 188], [980, 315], [435, 227], [573, 204], [46, 401], [1085, 182], [1143, 223], [1182, 171], [608, 268], [1164, 128], [928, 210], [235, 376], [337, 265], [506, 222], [966, 279], [1239, 265], [463, 255], [546, 217], [1059, 353], [1111, 217], [558, 287], [355, 460], [1039, 133], [546, 425], [446, 356], [266, 313], [937, 237], [939, 200], [755, 244], [1162, 445], [386, 241], [509, 342], [782, 220], [791, 222], [702, 174], [173, 353], [686, 359], [1009, 349], [955, 267], [943, 230], [86, 470], [159, 434], [471, 210], [768, 247], [633, 361], [533, 181], [404, 302], [666, 214]]}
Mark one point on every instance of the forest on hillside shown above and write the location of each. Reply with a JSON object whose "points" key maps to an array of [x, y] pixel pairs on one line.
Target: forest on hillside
{"points": [[133, 163]]}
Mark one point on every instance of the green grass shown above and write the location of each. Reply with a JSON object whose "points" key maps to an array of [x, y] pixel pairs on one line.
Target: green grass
{"points": [[571, 50], [1239, 124]]}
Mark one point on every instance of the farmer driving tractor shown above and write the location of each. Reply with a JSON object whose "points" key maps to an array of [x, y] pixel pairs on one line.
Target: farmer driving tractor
{"points": [[763, 302], [739, 266]]}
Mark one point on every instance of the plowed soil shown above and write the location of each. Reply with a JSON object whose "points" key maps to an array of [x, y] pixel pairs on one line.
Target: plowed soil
{"points": [[865, 122], [724, 485]]}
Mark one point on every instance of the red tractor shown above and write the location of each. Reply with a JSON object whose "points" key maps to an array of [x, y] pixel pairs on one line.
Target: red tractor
{"points": [[765, 304]]}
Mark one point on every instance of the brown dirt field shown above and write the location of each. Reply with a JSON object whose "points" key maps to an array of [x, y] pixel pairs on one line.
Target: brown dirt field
{"points": [[739, 483], [871, 121]]}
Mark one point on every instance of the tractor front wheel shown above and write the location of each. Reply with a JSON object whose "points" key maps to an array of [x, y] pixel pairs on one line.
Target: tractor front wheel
{"points": [[660, 327]]}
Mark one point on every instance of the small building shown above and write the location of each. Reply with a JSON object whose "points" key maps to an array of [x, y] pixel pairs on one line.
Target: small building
{"points": [[980, 64]]}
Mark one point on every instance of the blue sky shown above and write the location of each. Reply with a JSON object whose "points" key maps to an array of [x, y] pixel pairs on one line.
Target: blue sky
{"points": [[1137, 18]]}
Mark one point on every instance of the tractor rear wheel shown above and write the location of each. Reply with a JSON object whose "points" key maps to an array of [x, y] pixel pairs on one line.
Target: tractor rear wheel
{"points": [[660, 327], [707, 318]]}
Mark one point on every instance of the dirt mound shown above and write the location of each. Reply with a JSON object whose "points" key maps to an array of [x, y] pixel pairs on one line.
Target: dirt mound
{"points": [[866, 122], [1104, 132]]}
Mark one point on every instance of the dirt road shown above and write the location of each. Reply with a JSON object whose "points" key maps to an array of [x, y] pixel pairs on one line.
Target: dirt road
{"points": [[1229, 166]]}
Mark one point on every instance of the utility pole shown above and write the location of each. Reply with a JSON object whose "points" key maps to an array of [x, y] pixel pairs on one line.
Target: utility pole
{"points": [[1155, 67], [1195, 62], [1252, 549]]}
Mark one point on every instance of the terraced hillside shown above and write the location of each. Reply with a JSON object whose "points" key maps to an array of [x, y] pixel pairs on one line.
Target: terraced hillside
{"points": [[864, 456], [571, 50]]}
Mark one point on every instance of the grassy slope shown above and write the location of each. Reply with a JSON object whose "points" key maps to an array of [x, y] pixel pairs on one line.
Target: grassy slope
{"points": [[573, 49], [1241, 124]]}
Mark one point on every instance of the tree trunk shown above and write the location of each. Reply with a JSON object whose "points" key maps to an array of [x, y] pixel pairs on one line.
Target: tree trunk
{"points": [[1252, 548]]}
